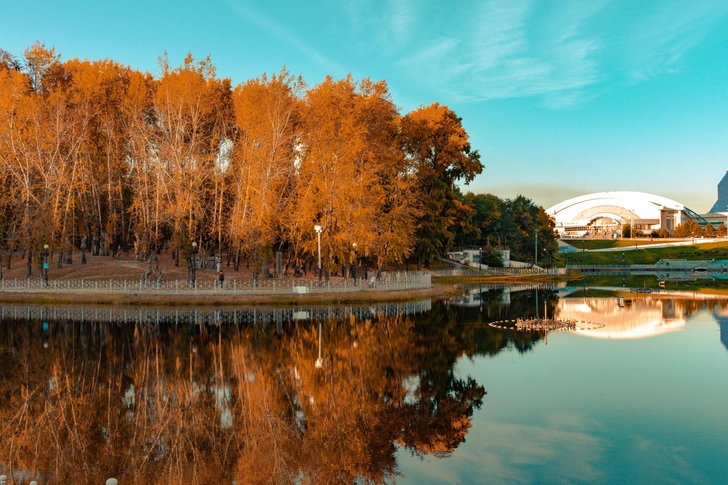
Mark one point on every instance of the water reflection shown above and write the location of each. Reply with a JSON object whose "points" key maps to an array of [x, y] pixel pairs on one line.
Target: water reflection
{"points": [[218, 316], [191, 397], [619, 317], [721, 316], [164, 401], [624, 318]]}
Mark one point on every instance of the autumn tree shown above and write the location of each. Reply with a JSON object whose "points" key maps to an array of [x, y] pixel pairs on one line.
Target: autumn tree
{"points": [[101, 90], [183, 143], [44, 138], [689, 228], [13, 92], [435, 140], [353, 179], [264, 160]]}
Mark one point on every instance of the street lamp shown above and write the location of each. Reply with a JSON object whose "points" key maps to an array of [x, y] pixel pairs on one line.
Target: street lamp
{"points": [[535, 251], [45, 263], [194, 263], [319, 230], [353, 266]]}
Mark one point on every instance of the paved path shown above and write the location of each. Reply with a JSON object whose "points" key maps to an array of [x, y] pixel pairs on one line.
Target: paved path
{"points": [[652, 246]]}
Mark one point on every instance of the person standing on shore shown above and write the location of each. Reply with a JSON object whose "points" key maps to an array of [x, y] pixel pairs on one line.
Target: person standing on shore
{"points": [[221, 278]]}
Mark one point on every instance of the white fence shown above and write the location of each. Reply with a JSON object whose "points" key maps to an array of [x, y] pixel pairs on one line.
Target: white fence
{"points": [[387, 281], [464, 271]]}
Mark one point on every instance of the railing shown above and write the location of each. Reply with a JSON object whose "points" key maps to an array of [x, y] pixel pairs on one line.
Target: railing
{"points": [[233, 316], [464, 271], [387, 281], [4, 479]]}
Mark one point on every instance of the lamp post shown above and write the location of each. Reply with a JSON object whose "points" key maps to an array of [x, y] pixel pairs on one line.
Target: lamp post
{"points": [[45, 264], [353, 266], [535, 251], [319, 230], [194, 263]]}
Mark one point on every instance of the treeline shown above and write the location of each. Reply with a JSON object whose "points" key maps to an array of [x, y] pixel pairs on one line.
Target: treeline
{"points": [[492, 223], [689, 228], [97, 153]]}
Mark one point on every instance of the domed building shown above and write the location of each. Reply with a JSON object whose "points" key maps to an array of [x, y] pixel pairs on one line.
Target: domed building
{"points": [[604, 213]]}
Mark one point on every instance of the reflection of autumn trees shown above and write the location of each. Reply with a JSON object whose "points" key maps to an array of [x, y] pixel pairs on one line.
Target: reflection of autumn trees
{"points": [[171, 403], [100, 151]]}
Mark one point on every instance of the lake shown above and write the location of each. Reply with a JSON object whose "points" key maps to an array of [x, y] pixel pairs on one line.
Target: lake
{"points": [[631, 389]]}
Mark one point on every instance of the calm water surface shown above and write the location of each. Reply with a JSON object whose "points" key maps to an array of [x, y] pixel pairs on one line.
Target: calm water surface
{"points": [[413, 393]]}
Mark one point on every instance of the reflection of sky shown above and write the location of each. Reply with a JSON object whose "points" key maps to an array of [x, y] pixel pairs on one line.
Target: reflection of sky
{"points": [[581, 410], [636, 318]]}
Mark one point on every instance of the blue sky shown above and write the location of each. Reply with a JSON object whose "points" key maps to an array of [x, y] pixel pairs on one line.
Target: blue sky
{"points": [[561, 98]]}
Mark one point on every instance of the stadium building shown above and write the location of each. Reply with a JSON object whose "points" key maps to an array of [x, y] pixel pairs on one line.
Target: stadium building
{"points": [[604, 213]]}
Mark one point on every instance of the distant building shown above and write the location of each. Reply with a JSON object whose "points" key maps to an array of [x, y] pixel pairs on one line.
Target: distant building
{"points": [[721, 205], [604, 213]]}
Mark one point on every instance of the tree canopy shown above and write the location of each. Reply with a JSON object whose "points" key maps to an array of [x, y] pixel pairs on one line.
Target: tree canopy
{"points": [[508, 223], [98, 151]]}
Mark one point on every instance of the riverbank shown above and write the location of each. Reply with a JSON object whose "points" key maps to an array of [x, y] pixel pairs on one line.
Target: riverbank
{"points": [[207, 300], [442, 287]]}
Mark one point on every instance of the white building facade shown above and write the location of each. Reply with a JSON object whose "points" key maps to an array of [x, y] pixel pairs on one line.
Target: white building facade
{"points": [[603, 214]]}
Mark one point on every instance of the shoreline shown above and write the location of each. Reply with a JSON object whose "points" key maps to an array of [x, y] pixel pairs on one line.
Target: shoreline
{"points": [[442, 287]]}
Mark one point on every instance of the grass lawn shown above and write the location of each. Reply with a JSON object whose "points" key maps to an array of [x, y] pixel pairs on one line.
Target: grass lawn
{"points": [[615, 243], [717, 250]]}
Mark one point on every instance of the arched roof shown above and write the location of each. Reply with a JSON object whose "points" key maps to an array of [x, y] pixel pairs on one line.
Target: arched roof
{"points": [[620, 204]]}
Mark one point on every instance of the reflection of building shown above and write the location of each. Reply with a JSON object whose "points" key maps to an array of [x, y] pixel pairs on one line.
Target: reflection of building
{"points": [[638, 318], [603, 214], [721, 316]]}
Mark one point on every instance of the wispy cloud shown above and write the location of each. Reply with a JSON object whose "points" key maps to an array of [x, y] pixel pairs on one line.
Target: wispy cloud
{"points": [[564, 53], [286, 35], [567, 54], [667, 33], [502, 56], [517, 453], [401, 15]]}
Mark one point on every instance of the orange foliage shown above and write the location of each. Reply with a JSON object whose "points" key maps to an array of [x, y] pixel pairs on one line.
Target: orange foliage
{"points": [[100, 151]]}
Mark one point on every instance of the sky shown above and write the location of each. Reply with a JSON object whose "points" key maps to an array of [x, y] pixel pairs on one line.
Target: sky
{"points": [[561, 98]]}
